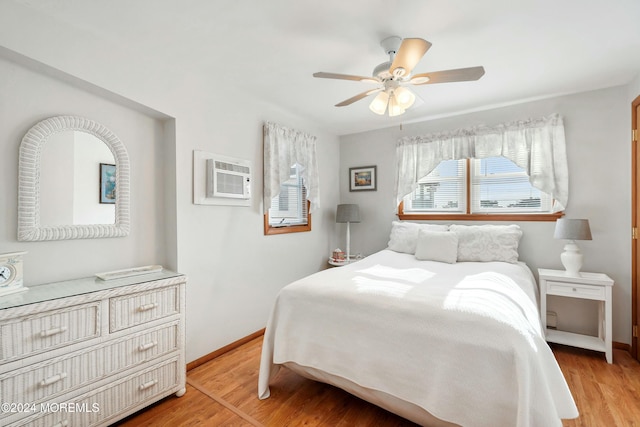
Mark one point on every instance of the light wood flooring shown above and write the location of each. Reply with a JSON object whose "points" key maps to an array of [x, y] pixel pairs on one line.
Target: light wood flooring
{"points": [[223, 392]]}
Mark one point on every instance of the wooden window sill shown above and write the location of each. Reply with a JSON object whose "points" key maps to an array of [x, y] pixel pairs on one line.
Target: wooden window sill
{"points": [[269, 230], [480, 217]]}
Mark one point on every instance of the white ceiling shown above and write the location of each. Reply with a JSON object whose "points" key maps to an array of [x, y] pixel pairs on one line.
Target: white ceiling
{"points": [[529, 49]]}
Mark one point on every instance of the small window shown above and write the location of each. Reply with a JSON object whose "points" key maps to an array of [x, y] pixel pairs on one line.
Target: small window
{"points": [[500, 186], [289, 211], [443, 190]]}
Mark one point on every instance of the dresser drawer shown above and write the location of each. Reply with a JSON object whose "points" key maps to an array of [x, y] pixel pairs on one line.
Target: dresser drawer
{"points": [[97, 407], [135, 309], [28, 335], [46, 380], [576, 290]]}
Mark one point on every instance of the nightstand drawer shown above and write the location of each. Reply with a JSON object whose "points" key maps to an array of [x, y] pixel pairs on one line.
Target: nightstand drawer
{"points": [[576, 290]]}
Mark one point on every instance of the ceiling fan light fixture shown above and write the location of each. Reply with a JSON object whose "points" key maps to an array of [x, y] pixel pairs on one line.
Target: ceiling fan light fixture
{"points": [[395, 109], [404, 97], [394, 77], [419, 80], [379, 103]]}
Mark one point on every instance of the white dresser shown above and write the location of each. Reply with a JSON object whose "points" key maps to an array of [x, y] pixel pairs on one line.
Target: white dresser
{"points": [[89, 352]]}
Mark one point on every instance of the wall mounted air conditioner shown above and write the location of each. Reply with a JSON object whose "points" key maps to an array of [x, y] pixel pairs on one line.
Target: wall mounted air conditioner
{"points": [[221, 180], [227, 178]]}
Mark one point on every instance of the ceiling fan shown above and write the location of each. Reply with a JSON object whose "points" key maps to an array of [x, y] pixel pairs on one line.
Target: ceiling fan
{"points": [[395, 75]]}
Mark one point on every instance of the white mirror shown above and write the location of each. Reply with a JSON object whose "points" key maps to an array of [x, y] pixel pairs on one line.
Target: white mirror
{"points": [[73, 181]]}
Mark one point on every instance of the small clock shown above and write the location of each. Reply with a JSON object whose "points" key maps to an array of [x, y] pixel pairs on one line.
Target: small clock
{"points": [[11, 280]]}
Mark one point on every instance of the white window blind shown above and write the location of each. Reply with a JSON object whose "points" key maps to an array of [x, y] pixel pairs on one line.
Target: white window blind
{"points": [[443, 190], [289, 207], [499, 186]]}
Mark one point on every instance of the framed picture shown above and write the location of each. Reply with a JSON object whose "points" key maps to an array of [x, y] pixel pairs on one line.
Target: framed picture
{"points": [[362, 178], [107, 183]]}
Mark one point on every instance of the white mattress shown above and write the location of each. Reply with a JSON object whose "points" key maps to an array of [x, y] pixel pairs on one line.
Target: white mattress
{"points": [[461, 341]]}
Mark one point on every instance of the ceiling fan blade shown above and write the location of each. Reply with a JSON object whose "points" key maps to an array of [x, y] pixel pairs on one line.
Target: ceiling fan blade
{"points": [[324, 75], [447, 76], [408, 56], [358, 97]]}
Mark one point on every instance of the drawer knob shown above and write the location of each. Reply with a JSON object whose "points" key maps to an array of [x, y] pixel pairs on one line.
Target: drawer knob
{"points": [[148, 307], [147, 385], [575, 290], [147, 346], [54, 379], [53, 331]]}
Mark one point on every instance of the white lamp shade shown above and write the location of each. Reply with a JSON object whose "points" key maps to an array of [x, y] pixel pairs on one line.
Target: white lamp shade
{"points": [[395, 109], [405, 97]]}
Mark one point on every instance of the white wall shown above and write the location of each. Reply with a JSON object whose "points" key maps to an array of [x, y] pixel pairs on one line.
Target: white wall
{"points": [[597, 133], [634, 89], [234, 270]]}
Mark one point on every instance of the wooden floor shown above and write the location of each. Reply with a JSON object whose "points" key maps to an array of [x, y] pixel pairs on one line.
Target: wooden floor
{"points": [[223, 392]]}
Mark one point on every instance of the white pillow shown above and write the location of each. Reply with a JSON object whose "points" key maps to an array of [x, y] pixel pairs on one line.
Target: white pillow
{"points": [[486, 243], [404, 235], [439, 246]]}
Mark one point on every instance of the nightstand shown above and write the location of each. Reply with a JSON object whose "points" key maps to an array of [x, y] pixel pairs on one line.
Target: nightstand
{"points": [[590, 286], [354, 258]]}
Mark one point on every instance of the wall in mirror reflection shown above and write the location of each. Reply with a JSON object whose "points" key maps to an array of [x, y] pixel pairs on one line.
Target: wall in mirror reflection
{"points": [[70, 180]]}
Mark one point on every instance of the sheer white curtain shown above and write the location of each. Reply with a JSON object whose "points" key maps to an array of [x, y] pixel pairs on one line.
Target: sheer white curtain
{"points": [[283, 148], [535, 145]]}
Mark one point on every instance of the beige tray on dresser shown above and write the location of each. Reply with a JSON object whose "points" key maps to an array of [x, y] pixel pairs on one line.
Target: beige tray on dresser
{"points": [[89, 352]]}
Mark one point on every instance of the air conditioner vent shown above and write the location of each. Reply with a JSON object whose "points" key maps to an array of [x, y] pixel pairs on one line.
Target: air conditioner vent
{"points": [[232, 167]]}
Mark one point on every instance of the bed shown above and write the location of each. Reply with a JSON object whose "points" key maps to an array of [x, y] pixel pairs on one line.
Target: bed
{"points": [[439, 343]]}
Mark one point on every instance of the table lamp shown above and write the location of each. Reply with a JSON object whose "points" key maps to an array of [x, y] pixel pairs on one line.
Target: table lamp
{"points": [[572, 230], [348, 214]]}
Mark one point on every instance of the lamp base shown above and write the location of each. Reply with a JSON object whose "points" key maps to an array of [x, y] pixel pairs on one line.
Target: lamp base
{"points": [[572, 259]]}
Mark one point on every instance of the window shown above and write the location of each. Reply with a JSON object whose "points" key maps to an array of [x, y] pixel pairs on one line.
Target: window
{"points": [[291, 181], [499, 186], [289, 211], [443, 190], [492, 188]]}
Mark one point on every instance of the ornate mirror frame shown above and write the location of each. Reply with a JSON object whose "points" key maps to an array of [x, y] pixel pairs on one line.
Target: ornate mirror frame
{"points": [[29, 228]]}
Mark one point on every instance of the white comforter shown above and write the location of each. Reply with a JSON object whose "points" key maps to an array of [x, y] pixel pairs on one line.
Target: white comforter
{"points": [[462, 341]]}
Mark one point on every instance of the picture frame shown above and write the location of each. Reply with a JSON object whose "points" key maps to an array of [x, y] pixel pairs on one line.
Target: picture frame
{"points": [[363, 178], [107, 190]]}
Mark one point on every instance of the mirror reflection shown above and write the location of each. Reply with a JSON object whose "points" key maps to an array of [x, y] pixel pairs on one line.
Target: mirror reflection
{"points": [[71, 191]]}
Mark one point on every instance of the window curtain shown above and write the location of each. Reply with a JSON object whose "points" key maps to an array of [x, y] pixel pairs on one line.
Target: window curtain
{"points": [[283, 148], [535, 145]]}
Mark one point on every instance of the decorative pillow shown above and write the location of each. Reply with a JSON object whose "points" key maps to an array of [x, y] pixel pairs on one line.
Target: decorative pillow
{"points": [[439, 246], [486, 243], [404, 235]]}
